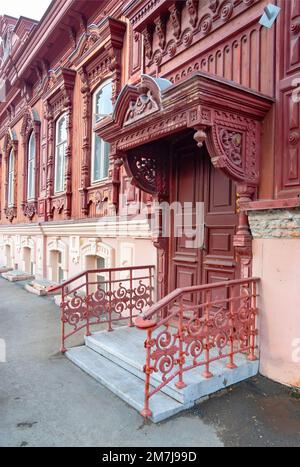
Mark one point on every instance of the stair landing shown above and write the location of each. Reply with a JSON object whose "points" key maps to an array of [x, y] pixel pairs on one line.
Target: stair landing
{"points": [[116, 360]]}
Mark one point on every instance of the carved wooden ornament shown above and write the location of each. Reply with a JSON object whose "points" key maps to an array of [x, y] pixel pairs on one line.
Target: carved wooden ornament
{"points": [[226, 117]]}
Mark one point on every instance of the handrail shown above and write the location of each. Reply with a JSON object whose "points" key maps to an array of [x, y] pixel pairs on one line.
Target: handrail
{"points": [[177, 293], [206, 328], [90, 301], [54, 288]]}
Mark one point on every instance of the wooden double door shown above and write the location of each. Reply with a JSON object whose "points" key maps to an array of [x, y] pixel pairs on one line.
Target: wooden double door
{"points": [[193, 179]]}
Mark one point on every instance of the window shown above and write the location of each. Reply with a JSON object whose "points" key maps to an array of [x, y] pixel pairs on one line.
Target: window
{"points": [[11, 176], [102, 106], [60, 271], [60, 153], [31, 168], [100, 278]]}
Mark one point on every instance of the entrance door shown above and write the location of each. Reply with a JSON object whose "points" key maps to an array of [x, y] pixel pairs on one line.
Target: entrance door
{"points": [[194, 179]]}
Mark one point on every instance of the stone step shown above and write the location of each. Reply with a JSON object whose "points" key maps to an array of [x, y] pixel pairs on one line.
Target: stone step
{"points": [[17, 275], [124, 384], [38, 286], [125, 347]]}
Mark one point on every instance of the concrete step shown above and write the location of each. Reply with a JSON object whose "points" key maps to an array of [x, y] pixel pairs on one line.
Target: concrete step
{"points": [[124, 384], [125, 347], [17, 275]]}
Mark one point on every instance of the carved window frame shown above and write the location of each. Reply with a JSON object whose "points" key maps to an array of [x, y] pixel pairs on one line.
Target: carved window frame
{"points": [[31, 126], [103, 64], [11, 144], [58, 101], [92, 191]]}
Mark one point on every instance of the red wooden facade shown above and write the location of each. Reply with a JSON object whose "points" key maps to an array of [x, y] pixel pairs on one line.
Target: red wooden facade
{"points": [[203, 111]]}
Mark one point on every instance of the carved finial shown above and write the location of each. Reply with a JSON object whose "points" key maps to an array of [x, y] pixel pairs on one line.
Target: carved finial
{"points": [[200, 136]]}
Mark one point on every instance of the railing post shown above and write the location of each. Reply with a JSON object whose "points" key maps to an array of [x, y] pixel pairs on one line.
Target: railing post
{"points": [[231, 365], [87, 305], [130, 298], [251, 356], [109, 302], [62, 322], [207, 373], [150, 286], [146, 412], [180, 384]]}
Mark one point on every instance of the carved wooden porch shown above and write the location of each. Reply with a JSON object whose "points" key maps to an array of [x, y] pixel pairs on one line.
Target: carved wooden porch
{"points": [[223, 118]]}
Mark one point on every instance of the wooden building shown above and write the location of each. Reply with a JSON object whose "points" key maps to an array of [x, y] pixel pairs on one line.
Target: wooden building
{"points": [[109, 104]]}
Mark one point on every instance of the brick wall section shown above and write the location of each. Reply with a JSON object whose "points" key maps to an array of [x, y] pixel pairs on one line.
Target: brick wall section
{"points": [[276, 223]]}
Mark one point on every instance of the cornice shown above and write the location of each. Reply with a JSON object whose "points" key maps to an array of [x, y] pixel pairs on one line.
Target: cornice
{"points": [[41, 34], [136, 228]]}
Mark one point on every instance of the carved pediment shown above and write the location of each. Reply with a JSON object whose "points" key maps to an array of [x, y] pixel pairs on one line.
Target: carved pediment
{"points": [[30, 119], [10, 141], [144, 105], [139, 102], [88, 40]]}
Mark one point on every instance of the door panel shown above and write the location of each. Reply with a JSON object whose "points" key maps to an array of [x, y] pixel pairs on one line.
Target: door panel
{"points": [[186, 187], [220, 225], [194, 179]]}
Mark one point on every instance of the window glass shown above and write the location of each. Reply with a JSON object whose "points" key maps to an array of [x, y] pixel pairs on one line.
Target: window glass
{"points": [[11, 164], [60, 154], [102, 106], [31, 167]]}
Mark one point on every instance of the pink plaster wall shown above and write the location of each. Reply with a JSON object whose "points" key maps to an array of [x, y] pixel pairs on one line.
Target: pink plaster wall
{"points": [[277, 263]]}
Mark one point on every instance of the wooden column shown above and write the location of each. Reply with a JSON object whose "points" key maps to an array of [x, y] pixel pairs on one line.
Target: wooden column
{"points": [[242, 241]]}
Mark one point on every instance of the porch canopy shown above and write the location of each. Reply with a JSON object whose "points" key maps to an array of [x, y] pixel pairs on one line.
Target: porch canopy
{"points": [[224, 115]]}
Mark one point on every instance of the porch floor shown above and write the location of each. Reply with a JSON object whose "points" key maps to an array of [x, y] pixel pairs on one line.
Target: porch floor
{"points": [[116, 360]]}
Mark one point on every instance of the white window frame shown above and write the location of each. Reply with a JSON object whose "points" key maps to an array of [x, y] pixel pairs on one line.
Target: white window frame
{"points": [[60, 177], [31, 162], [11, 176], [103, 144]]}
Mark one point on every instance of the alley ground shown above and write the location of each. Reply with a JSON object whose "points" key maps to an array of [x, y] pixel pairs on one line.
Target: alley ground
{"points": [[47, 401]]}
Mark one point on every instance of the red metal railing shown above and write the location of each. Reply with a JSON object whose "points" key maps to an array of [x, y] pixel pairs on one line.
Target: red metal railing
{"points": [[195, 326], [104, 296]]}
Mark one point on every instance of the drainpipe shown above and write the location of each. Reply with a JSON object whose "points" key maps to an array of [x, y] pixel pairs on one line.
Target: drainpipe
{"points": [[44, 251]]}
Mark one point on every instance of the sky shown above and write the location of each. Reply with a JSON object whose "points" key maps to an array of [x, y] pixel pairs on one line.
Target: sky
{"points": [[31, 8]]}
